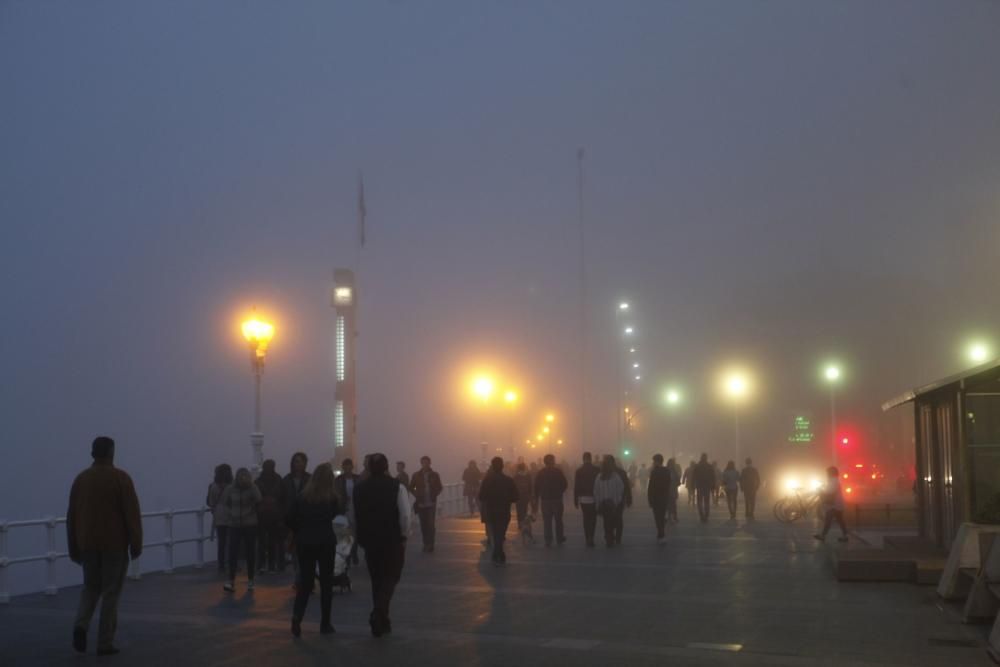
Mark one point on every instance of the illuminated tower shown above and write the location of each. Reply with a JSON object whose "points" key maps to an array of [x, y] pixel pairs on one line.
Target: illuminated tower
{"points": [[345, 408]]}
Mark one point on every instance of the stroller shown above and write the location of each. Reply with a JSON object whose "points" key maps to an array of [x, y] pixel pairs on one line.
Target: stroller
{"points": [[342, 557]]}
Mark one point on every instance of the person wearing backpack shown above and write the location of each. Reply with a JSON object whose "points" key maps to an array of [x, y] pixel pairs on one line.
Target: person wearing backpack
{"points": [[609, 497]]}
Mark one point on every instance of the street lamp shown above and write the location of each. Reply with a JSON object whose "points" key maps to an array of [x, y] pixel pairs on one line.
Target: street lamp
{"points": [[832, 375], [258, 335], [978, 352]]}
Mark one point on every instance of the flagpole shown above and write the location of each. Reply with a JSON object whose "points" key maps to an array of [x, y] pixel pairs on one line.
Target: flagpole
{"points": [[583, 301]]}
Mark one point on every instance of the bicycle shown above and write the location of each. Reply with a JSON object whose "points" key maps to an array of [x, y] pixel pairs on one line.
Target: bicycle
{"points": [[795, 506]]}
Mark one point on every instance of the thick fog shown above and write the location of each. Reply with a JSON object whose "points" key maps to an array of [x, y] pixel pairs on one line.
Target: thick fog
{"points": [[771, 184]]}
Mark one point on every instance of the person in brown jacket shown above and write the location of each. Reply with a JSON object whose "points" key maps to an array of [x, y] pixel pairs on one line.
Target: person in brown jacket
{"points": [[103, 527]]}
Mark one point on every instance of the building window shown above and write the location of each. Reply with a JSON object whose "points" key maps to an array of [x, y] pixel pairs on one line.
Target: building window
{"points": [[341, 351], [338, 425]]}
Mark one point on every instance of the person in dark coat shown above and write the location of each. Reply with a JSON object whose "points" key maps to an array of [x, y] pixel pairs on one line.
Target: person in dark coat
{"points": [[103, 528], [382, 521], [425, 485], [522, 480], [750, 484], [496, 494], [292, 485], [583, 496], [550, 485], [270, 515], [220, 531], [704, 486], [658, 495], [472, 477], [310, 518]]}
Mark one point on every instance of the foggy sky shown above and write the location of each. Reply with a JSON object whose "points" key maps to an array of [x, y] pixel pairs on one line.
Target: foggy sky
{"points": [[767, 182]]}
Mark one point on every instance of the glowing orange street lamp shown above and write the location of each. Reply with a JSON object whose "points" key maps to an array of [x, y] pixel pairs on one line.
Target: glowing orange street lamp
{"points": [[258, 334]]}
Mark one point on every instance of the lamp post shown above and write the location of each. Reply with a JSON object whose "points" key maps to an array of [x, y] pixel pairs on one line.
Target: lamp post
{"points": [[510, 400], [482, 387], [832, 375], [623, 308], [736, 386], [258, 335]]}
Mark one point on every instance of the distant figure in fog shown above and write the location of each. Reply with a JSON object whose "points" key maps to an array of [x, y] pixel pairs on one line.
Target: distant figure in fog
{"points": [[704, 486], [496, 494], [750, 483], [717, 486], [220, 530], [533, 473], [832, 504], [270, 518], [731, 486], [471, 479], [344, 486], [688, 481], [643, 477], [550, 485], [658, 495], [402, 476], [240, 500], [425, 485], [522, 480], [382, 512], [620, 524], [310, 519], [103, 528], [609, 497], [583, 497], [675, 482]]}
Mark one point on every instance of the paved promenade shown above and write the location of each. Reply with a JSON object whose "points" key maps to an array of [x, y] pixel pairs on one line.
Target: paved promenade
{"points": [[722, 594]]}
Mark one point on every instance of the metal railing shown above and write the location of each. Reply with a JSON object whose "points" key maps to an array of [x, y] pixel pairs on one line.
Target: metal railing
{"points": [[452, 501], [52, 555]]}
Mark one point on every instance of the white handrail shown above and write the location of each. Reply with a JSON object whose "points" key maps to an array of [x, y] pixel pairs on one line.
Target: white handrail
{"points": [[450, 503], [51, 556]]}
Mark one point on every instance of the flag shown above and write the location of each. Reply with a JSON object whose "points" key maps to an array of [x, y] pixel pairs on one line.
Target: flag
{"points": [[362, 211]]}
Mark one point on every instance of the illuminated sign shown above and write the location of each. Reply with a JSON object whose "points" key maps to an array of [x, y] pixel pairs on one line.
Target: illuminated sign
{"points": [[801, 431]]}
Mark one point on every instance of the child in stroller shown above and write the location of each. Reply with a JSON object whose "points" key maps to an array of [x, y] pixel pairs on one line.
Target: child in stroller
{"points": [[342, 557]]}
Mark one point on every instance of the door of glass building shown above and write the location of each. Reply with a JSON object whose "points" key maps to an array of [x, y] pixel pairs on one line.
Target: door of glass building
{"points": [[946, 442], [982, 435], [926, 473]]}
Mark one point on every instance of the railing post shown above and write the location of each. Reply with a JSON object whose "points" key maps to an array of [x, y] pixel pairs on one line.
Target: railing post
{"points": [[168, 541], [4, 593], [50, 556], [200, 544]]}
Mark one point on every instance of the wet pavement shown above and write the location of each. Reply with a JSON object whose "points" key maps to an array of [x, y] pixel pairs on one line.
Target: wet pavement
{"points": [[727, 593]]}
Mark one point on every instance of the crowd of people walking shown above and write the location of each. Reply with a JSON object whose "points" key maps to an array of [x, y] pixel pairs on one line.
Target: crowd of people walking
{"points": [[319, 521]]}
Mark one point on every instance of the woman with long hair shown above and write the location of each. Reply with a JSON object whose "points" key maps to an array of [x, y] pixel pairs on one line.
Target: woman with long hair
{"points": [[609, 497], [310, 518], [240, 501], [220, 529]]}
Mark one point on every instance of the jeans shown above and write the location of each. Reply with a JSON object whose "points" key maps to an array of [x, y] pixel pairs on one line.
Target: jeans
{"points": [[103, 576], [731, 501], [269, 546], [498, 533], [660, 518], [589, 521], [385, 565], [611, 519], [311, 555], [427, 516], [672, 508], [246, 536], [750, 502], [552, 510], [522, 511], [619, 523], [222, 544], [704, 503], [831, 515]]}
